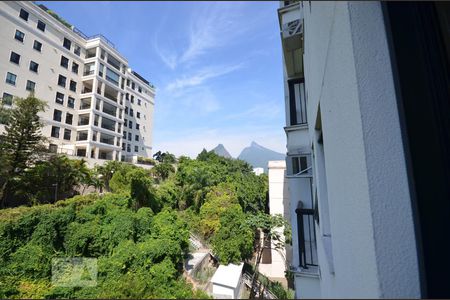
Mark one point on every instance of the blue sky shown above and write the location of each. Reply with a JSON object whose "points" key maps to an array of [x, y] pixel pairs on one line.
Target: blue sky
{"points": [[217, 67]]}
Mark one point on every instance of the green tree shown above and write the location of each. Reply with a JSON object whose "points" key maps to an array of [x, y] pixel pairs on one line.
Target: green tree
{"points": [[163, 170], [21, 143]]}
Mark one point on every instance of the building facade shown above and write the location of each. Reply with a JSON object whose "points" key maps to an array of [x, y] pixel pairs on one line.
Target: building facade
{"points": [[98, 107], [367, 104]]}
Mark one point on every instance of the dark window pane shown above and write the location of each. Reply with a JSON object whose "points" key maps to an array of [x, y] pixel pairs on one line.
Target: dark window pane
{"points": [[11, 78], [64, 62], [75, 67], [59, 98], [37, 46], [71, 102], [73, 86], [19, 35], [62, 81], [41, 25], [34, 66], [24, 14], [7, 99], [69, 118], [55, 132], [67, 134], [30, 85], [67, 43], [57, 114], [15, 58]]}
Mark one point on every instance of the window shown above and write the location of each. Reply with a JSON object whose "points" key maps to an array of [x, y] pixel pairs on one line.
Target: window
{"points": [[140, 89], [71, 102], [62, 81], [19, 35], [138, 115], [75, 67], [125, 122], [57, 114], [24, 14], [124, 135], [94, 136], [136, 138], [126, 110], [128, 82], [128, 148], [77, 50], [59, 98], [67, 43], [130, 125], [55, 132], [7, 99], [137, 126], [112, 77], [127, 96], [132, 99], [41, 25], [300, 164], [11, 78], [14, 58], [73, 86], [129, 136], [64, 62], [67, 134], [132, 85], [69, 118], [37, 46], [123, 146], [34, 66], [30, 85], [136, 148], [297, 103], [100, 70], [139, 102], [53, 148]]}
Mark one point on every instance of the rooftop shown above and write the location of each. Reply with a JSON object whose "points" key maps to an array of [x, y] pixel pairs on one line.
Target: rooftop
{"points": [[228, 275]]}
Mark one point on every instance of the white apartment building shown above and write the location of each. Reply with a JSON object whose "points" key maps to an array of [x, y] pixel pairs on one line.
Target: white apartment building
{"points": [[98, 107], [368, 144]]}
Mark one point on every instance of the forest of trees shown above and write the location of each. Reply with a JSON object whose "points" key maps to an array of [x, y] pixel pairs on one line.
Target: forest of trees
{"points": [[137, 224]]}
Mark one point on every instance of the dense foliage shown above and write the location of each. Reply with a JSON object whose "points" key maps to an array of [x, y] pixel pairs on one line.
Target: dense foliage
{"points": [[139, 253]]}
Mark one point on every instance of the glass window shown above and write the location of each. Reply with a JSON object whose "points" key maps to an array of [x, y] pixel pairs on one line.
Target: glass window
{"points": [[133, 85], [11, 78], [59, 98], [140, 89], [34, 67], [125, 122], [82, 135], [55, 132], [297, 103], [77, 50], [14, 58], [62, 81], [67, 134], [137, 126], [69, 118], [132, 99], [64, 62], [37, 46], [136, 148], [124, 135], [126, 110], [67, 43], [128, 148], [130, 125], [139, 102], [112, 77], [138, 115], [57, 114], [71, 102], [24, 14], [123, 146], [19, 35], [41, 25], [75, 67], [129, 136], [30, 85], [100, 70], [73, 86], [7, 99], [136, 138]]}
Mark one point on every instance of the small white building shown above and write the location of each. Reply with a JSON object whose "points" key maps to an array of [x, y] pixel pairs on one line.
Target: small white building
{"points": [[258, 171], [226, 282]]}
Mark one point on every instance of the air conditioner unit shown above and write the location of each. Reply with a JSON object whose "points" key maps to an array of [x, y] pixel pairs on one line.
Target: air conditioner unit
{"points": [[292, 28]]}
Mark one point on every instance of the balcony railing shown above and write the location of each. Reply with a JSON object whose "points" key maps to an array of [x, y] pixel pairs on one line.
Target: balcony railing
{"points": [[306, 237], [86, 90], [90, 72]]}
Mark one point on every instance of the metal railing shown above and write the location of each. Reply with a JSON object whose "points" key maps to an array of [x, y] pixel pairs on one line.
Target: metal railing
{"points": [[306, 236]]}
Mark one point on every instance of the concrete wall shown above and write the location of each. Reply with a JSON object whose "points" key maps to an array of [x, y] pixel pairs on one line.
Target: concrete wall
{"points": [[368, 249]]}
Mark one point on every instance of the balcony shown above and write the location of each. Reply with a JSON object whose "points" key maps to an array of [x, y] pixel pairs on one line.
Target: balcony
{"points": [[82, 135], [91, 53], [107, 139], [108, 124], [110, 93], [291, 25], [83, 120], [87, 87], [85, 103], [109, 109]]}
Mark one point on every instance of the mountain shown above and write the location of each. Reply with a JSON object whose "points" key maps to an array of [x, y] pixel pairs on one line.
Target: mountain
{"points": [[259, 156], [220, 150]]}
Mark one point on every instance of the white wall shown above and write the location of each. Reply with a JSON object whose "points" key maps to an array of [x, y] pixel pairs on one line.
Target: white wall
{"points": [[371, 251]]}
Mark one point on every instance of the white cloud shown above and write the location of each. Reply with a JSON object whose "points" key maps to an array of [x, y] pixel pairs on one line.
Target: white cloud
{"points": [[200, 77], [266, 110]]}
